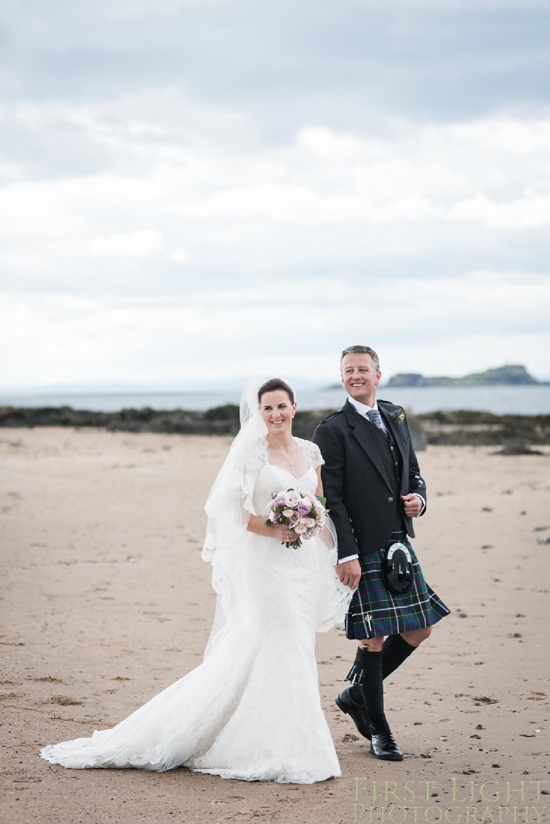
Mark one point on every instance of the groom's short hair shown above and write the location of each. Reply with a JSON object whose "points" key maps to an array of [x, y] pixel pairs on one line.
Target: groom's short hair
{"points": [[361, 350]]}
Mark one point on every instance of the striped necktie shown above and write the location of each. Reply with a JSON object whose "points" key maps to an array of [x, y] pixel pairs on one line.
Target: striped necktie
{"points": [[373, 415]]}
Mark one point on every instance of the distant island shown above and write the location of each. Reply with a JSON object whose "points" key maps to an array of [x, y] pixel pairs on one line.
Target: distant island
{"points": [[502, 375]]}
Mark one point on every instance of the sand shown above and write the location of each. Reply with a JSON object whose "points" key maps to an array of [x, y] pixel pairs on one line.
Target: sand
{"points": [[105, 601]]}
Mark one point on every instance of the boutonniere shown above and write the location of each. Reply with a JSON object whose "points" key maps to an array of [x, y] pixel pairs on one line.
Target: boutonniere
{"points": [[399, 415]]}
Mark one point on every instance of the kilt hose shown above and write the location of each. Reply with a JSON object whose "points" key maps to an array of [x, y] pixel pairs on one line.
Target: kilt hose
{"points": [[374, 612]]}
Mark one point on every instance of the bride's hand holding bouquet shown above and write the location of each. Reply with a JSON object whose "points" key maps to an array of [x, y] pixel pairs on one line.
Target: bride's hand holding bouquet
{"points": [[299, 515]]}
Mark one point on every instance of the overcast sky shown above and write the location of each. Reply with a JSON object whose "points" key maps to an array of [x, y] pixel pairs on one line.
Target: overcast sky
{"points": [[203, 190]]}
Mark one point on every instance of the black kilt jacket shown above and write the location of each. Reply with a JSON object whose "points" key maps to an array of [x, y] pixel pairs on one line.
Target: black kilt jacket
{"points": [[360, 493]]}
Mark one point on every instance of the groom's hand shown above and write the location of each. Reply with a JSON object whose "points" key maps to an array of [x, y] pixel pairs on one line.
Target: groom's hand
{"points": [[349, 573], [412, 505]]}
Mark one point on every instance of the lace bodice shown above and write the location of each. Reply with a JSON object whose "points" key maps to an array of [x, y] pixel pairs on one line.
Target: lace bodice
{"points": [[257, 459]]}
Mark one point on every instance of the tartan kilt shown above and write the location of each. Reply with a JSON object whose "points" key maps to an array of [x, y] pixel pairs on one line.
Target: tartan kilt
{"points": [[374, 612]]}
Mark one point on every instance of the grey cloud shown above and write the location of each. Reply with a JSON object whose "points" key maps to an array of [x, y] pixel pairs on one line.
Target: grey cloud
{"points": [[341, 255], [422, 60]]}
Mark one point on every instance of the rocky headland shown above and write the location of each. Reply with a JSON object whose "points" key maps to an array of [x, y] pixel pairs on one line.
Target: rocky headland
{"points": [[513, 375]]}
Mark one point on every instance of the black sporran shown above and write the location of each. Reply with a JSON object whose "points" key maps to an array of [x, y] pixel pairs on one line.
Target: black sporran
{"points": [[397, 569]]}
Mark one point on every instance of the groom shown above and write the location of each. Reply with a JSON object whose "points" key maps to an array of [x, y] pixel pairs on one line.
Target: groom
{"points": [[374, 489]]}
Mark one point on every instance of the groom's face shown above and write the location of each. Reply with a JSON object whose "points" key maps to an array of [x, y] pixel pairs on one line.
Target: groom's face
{"points": [[360, 378]]}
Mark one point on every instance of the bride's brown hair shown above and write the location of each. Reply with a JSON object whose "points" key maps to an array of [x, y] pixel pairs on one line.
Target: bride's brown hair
{"points": [[272, 385]]}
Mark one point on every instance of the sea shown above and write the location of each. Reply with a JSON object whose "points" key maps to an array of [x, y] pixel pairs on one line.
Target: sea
{"points": [[501, 400]]}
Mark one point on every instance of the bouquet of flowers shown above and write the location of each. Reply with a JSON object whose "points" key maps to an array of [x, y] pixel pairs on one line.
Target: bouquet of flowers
{"points": [[302, 513]]}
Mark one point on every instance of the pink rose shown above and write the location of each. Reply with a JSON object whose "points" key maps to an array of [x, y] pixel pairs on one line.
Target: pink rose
{"points": [[292, 498]]}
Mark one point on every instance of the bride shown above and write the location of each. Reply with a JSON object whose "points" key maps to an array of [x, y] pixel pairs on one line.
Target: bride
{"points": [[252, 709]]}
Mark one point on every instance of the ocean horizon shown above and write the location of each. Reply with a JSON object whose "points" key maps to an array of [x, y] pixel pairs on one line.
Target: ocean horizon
{"points": [[498, 399]]}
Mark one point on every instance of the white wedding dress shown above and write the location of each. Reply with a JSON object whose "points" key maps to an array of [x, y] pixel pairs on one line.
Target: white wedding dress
{"points": [[252, 709]]}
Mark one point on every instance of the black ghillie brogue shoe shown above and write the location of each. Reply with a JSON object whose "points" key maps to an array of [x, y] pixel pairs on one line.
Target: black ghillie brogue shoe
{"points": [[357, 712], [384, 746]]}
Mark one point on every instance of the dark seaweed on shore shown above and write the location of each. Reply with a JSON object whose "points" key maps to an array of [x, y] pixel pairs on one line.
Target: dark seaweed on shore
{"points": [[459, 427]]}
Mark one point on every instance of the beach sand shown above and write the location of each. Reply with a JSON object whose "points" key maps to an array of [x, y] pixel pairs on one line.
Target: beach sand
{"points": [[105, 601]]}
